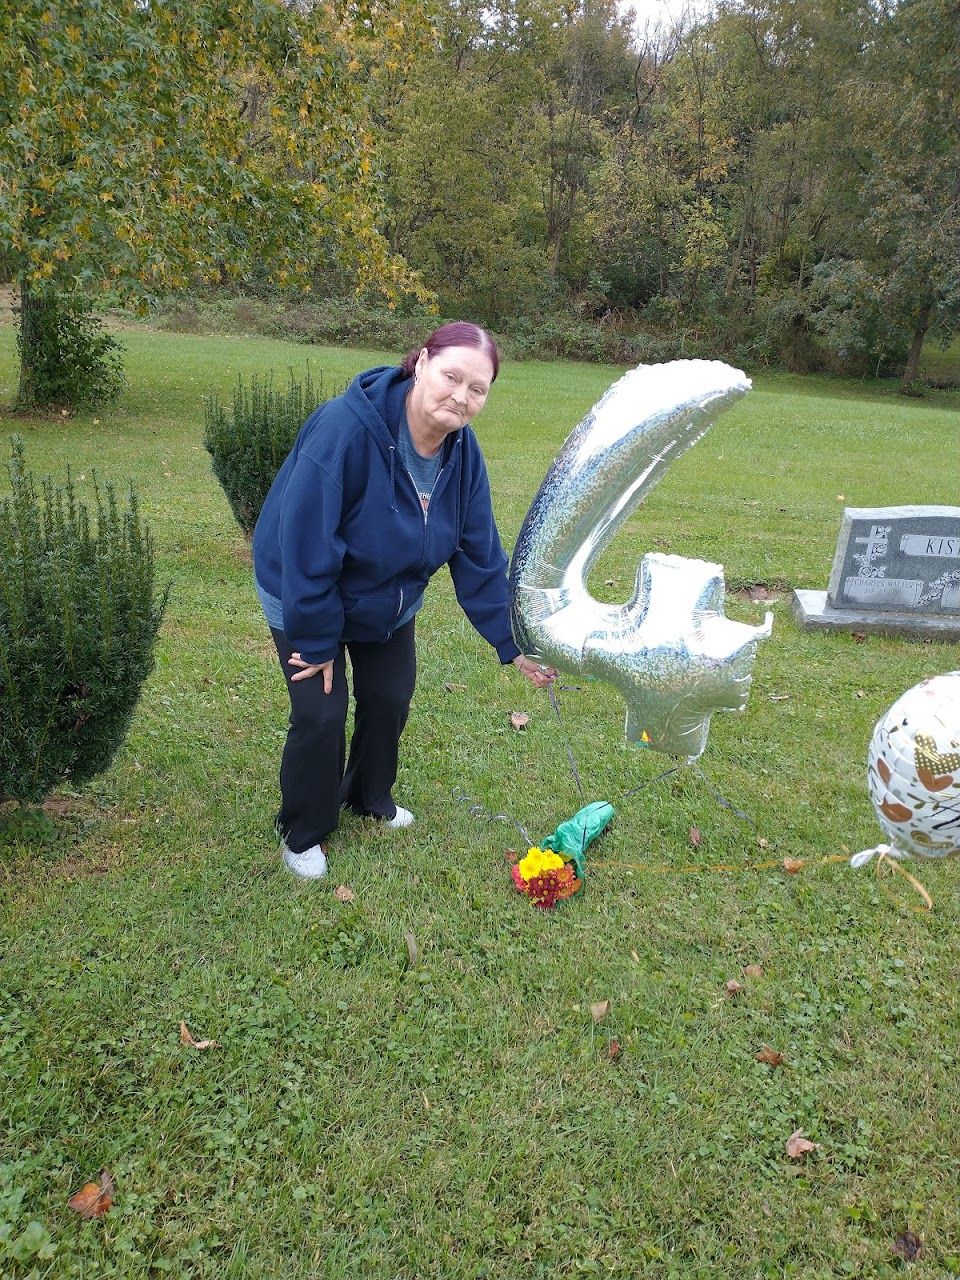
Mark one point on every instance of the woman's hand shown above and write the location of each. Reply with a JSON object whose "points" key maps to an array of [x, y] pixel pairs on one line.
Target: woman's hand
{"points": [[538, 676], [311, 669]]}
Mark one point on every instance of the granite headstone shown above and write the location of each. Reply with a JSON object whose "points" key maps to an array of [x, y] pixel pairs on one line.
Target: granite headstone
{"points": [[896, 570]]}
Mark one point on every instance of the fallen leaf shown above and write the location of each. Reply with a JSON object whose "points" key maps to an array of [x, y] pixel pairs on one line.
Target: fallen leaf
{"points": [[798, 1146], [455, 688], [753, 971], [696, 839], [343, 893], [413, 951], [770, 1056], [792, 865], [733, 987], [635, 956], [758, 592], [779, 697], [860, 694], [614, 1050], [858, 637], [93, 1200], [762, 843], [511, 857], [519, 719], [599, 1010], [841, 497], [907, 1246], [187, 1038]]}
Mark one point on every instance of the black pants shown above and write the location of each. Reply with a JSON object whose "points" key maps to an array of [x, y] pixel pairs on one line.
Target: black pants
{"points": [[313, 781]]}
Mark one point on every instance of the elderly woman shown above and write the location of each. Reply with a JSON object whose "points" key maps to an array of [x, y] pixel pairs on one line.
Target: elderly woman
{"points": [[385, 484]]}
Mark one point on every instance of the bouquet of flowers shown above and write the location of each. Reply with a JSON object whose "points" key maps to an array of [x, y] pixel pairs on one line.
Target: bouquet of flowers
{"points": [[550, 874], [545, 877]]}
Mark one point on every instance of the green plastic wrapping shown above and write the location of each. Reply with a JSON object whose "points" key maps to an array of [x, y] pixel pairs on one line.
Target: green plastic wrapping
{"points": [[575, 836]]}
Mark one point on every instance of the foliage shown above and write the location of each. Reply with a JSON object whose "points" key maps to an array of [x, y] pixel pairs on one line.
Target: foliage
{"points": [[248, 447], [144, 147], [65, 356], [78, 621], [719, 171]]}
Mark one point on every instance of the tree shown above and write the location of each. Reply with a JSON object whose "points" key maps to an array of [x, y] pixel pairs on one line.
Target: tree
{"points": [[146, 145], [905, 146]]}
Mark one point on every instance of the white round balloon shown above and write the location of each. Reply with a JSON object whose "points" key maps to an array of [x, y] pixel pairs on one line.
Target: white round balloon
{"points": [[913, 769]]}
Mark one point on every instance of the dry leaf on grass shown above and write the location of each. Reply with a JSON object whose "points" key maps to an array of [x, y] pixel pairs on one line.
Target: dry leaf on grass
{"points": [[792, 865], [599, 1010], [762, 842], [797, 1146], [455, 688], [634, 956], [511, 857], [614, 1050], [732, 987], [413, 951], [769, 1056], [93, 1200], [343, 893], [519, 719], [696, 839], [858, 636], [753, 971], [187, 1038], [907, 1246]]}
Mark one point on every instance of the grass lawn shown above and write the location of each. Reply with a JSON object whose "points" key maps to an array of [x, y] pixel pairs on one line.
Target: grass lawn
{"points": [[463, 1115]]}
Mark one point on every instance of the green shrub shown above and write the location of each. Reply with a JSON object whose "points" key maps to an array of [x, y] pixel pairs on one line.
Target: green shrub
{"points": [[248, 446], [78, 620], [66, 357]]}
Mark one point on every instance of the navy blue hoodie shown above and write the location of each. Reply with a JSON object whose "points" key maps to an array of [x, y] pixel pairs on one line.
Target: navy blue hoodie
{"points": [[343, 541]]}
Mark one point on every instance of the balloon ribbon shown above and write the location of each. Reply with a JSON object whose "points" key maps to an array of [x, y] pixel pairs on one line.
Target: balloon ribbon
{"points": [[791, 865]]}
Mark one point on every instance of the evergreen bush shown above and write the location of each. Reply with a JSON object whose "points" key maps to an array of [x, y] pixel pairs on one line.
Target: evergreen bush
{"points": [[79, 616], [248, 446]]}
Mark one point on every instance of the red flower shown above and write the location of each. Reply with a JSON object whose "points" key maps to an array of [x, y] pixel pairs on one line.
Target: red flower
{"points": [[551, 887]]}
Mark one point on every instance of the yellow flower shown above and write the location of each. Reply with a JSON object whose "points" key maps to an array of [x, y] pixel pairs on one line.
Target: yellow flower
{"points": [[537, 861]]}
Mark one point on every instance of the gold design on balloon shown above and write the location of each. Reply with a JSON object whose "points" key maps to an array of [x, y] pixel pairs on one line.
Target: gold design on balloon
{"points": [[934, 767]]}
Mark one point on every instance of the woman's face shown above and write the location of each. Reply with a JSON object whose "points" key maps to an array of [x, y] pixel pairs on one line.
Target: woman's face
{"points": [[451, 387]]}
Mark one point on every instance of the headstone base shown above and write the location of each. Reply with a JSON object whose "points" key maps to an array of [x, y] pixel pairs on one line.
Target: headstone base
{"points": [[811, 611]]}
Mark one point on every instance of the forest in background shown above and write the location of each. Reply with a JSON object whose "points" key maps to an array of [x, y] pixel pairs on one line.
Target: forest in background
{"points": [[778, 182]]}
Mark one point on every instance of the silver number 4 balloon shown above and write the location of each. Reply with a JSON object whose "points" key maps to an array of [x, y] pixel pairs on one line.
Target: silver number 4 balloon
{"points": [[670, 651]]}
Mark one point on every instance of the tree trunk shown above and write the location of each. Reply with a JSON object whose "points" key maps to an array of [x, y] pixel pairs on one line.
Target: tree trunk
{"points": [[34, 309], [911, 370]]}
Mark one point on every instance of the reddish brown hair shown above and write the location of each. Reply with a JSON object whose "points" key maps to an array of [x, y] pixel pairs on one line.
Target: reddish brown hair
{"points": [[460, 333]]}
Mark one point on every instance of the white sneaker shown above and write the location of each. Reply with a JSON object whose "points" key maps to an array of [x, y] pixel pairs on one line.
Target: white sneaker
{"points": [[402, 818], [310, 865]]}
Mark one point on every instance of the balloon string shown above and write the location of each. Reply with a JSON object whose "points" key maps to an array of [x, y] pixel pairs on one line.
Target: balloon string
{"points": [[724, 803], [477, 810], [900, 870], [571, 759], [790, 865], [575, 773]]}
